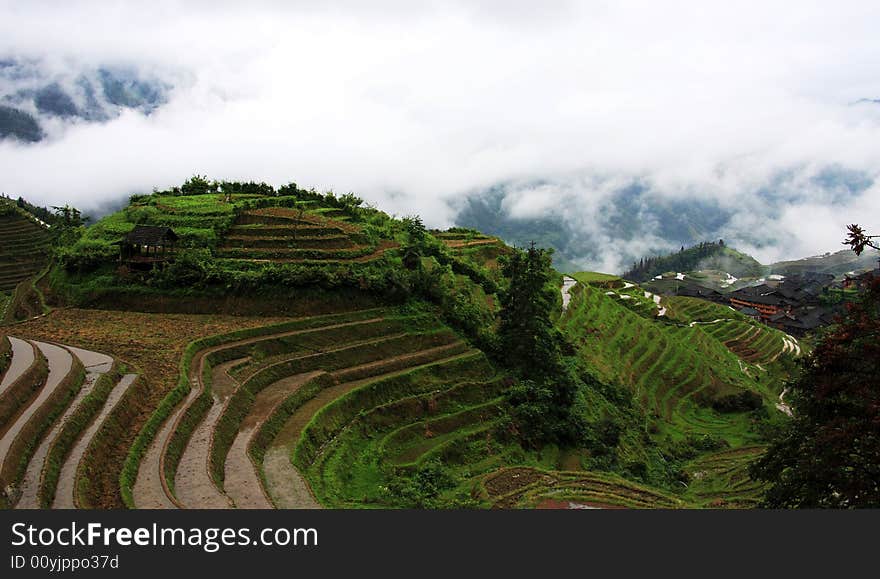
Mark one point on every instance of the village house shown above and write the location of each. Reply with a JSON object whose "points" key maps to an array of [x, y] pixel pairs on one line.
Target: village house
{"points": [[860, 281], [147, 245]]}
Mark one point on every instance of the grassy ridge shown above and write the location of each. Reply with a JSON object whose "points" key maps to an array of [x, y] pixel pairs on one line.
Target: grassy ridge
{"points": [[5, 349], [336, 451]]}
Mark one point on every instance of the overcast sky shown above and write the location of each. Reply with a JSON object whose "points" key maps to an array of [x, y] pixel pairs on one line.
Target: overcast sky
{"points": [[414, 105]]}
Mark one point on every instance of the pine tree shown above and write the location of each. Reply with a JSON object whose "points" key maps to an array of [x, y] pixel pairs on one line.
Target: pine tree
{"points": [[543, 399], [527, 333]]}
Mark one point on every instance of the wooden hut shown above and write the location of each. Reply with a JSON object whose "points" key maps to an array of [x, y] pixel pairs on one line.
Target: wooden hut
{"points": [[147, 245]]}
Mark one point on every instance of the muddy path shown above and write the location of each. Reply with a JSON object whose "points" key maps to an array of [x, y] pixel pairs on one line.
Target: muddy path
{"points": [[288, 488], [567, 284], [96, 365], [193, 485], [23, 356], [149, 489], [65, 492], [782, 405], [242, 482], [60, 362]]}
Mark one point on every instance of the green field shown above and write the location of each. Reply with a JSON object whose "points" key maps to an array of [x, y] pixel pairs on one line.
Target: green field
{"points": [[676, 367], [593, 277]]}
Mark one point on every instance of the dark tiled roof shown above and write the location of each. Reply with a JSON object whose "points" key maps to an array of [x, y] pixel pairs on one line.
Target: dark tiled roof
{"points": [[769, 299], [803, 319], [697, 291], [150, 235]]}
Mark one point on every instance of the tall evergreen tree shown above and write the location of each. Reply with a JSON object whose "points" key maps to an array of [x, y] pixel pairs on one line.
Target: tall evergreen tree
{"points": [[543, 398], [528, 337]]}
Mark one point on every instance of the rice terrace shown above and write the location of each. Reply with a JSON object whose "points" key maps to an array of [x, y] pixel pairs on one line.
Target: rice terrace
{"points": [[233, 345]]}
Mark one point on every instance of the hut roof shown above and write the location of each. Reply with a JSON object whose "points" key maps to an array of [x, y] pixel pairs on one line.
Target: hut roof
{"points": [[150, 235]]}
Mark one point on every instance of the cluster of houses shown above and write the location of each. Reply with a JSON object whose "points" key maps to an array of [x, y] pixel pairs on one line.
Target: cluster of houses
{"points": [[793, 304], [796, 305]]}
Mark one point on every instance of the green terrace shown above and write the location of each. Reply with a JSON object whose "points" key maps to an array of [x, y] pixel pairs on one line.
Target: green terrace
{"points": [[679, 368], [291, 391], [25, 246]]}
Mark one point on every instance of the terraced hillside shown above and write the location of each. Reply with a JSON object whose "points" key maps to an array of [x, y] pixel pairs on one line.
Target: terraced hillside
{"points": [[266, 393], [285, 234], [753, 342], [679, 365], [24, 252], [474, 247], [54, 401], [24, 247], [296, 350], [530, 488], [721, 479]]}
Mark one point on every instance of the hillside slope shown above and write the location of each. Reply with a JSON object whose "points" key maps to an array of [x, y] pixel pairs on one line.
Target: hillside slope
{"points": [[24, 246], [698, 370], [296, 349]]}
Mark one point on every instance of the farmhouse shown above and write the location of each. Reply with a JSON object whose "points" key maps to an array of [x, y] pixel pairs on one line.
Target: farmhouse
{"points": [[147, 245], [798, 323], [860, 281], [766, 300], [751, 312], [697, 291]]}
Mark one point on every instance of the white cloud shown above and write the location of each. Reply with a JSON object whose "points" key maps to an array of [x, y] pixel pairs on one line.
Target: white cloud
{"points": [[414, 105]]}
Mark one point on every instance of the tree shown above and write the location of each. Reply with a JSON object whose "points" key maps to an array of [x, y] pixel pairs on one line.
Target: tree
{"points": [[415, 230], [528, 337], [543, 399], [829, 454], [858, 240], [416, 241], [69, 216]]}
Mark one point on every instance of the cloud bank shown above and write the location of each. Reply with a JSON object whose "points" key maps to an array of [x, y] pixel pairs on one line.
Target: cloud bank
{"points": [[417, 106]]}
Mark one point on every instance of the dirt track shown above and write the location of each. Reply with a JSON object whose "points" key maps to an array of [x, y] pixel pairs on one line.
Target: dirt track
{"points": [[193, 484], [64, 494], [241, 479], [60, 363], [22, 358], [96, 364], [286, 485]]}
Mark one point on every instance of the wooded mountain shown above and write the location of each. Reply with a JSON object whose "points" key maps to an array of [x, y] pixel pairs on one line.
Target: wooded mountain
{"points": [[31, 94], [704, 256]]}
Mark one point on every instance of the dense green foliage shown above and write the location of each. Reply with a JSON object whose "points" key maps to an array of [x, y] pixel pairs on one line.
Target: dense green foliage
{"points": [[543, 400], [829, 454]]}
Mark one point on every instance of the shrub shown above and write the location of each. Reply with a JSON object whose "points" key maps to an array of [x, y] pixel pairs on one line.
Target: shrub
{"points": [[87, 255], [744, 401]]}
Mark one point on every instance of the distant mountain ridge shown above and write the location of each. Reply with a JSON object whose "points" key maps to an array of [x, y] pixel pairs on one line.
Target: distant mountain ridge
{"points": [[837, 264], [605, 225], [31, 95], [704, 256]]}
